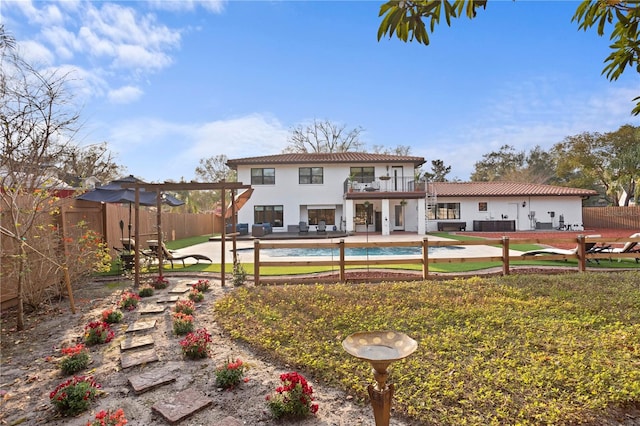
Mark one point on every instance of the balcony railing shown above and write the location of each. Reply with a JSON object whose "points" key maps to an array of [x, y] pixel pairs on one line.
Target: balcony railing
{"points": [[385, 185]]}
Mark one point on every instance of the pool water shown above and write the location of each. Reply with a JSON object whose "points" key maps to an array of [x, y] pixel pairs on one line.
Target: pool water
{"points": [[354, 251]]}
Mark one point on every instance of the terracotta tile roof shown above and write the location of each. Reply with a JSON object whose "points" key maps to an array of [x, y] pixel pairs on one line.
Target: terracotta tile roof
{"points": [[324, 158], [503, 189]]}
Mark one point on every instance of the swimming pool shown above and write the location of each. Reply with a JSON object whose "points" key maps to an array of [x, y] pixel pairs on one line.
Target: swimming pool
{"points": [[354, 251]]}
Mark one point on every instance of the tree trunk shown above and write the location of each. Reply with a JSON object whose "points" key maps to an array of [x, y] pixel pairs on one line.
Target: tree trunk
{"points": [[21, 277]]}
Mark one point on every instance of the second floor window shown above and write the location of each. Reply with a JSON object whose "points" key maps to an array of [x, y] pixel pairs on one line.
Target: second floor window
{"points": [[310, 175], [263, 176], [363, 174]]}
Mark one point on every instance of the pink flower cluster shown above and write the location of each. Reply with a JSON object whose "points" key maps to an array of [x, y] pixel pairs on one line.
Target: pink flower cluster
{"points": [[73, 350], [107, 418], [196, 344], [97, 332], [60, 392]]}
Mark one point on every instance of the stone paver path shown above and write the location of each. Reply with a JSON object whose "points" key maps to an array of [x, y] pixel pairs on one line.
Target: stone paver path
{"points": [[182, 405], [137, 350], [131, 359], [152, 309], [149, 380], [135, 342], [142, 325]]}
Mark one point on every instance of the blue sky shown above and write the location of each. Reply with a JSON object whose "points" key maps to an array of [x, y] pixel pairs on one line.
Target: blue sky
{"points": [[167, 83]]}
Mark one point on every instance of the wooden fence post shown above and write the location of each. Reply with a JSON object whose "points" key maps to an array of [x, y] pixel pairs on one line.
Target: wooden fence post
{"points": [[505, 255], [342, 271], [425, 258], [256, 262], [582, 260]]}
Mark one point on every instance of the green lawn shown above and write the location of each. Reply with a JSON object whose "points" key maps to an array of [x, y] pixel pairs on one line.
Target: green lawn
{"points": [[521, 349]]}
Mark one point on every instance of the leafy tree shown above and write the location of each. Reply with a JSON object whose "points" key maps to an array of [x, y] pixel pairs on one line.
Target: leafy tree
{"points": [[610, 161], [498, 165], [93, 160], [508, 165], [405, 19], [438, 172], [323, 137], [212, 169], [398, 150], [215, 169]]}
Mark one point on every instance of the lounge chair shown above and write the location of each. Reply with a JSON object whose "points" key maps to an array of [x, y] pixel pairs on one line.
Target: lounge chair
{"points": [[322, 227], [629, 247], [589, 247], [303, 227], [171, 256]]}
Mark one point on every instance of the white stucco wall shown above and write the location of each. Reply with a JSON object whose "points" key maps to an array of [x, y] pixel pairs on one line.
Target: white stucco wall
{"points": [[518, 209], [296, 199]]}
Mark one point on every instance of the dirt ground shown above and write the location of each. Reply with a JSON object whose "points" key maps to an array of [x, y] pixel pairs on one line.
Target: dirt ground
{"points": [[29, 370]]}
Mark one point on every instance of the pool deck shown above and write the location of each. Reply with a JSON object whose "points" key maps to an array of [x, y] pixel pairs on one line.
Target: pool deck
{"points": [[244, 244]]}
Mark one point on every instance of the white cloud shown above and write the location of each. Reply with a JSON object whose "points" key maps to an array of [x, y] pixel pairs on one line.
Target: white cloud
{"points": [[138, 58], [35, 53], [49, 14], [125, 95], [215, 6], [62, 40]]}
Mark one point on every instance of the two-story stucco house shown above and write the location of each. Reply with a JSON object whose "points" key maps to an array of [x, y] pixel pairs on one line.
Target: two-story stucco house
{"points": [[362, 192], [349, 191]]}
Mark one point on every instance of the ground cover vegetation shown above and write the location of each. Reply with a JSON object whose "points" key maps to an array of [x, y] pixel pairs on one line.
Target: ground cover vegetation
{"points": [[526, 349]]}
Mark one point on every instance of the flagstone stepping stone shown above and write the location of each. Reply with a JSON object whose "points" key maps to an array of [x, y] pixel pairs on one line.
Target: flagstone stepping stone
{"points": [[180, 289], [168, 299], [141, 325], [135, 342], [230, 421], [131, 359], [149, 380], [182, 405], [152, 309]]}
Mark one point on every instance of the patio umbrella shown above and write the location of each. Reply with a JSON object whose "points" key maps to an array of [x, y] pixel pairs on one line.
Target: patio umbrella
{"points": [[113, 192]]}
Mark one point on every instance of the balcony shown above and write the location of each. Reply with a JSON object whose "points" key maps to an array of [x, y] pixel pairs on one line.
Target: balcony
{"points": [[391, 185]]}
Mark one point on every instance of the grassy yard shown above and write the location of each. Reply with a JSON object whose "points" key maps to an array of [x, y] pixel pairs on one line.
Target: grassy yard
{"points": [[521, 349]]}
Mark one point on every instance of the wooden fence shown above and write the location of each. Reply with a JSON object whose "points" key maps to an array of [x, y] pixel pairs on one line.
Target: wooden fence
{"points": [[611, 217], [341, 261], [104, 219]]}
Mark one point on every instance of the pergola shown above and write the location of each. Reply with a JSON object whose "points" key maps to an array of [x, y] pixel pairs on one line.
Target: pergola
{"points": [[222, 186]]}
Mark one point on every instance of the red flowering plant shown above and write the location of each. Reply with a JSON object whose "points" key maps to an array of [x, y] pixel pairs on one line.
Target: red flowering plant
{"points": [[202, 286], [228, 376], [97, 332], [195, 345], [75, 359], [185, 306], [112, 316], [293, 398], [160, 282], [195, 295], [129, 300], [182, 323], [74, 396], [108, 418]]}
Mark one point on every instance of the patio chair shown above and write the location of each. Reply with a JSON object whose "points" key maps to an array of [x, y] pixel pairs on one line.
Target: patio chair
{"points": [[629, 247], [171, 256], [303, 227], [590, 247], [322, 227]]}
